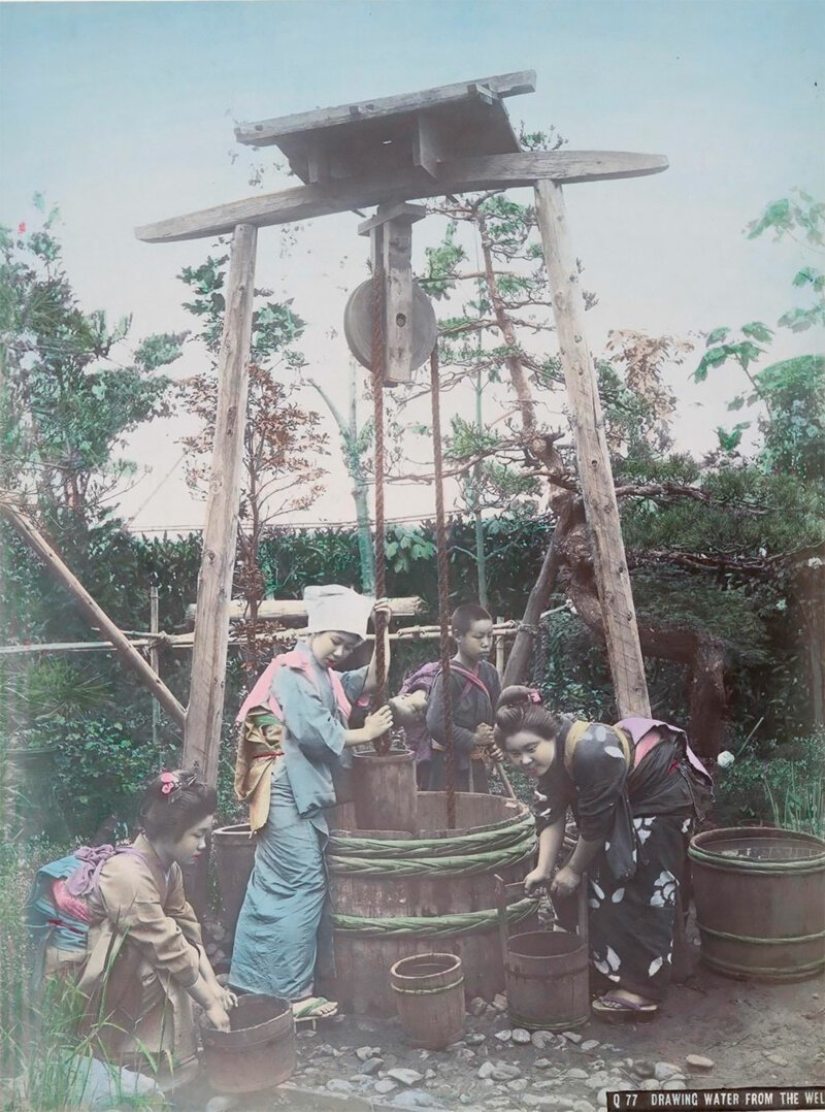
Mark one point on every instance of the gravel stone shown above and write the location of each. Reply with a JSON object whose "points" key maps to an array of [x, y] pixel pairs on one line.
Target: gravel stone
{"points": [[475, 1039], [385, 1085], [777, 1059], [541, 1040], [698, 1062], [674, 1083], [521, 1036], [485, 1070], [371, 1066], [588, 1045], [577, 1075], [405, 1076], [414, 1098], [504, 1036], [583, 1106], [650, 1084], [464, 1054], [542, 1064], [338, 1085], [500, 1002], [642, 1068], [572, 1036], [477, 1006], [365, 1052], [662, 1071], [505, 1073], [517, 1085]]}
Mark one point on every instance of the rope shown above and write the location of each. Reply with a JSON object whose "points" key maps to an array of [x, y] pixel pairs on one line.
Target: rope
{"points": [[430, 867], [436, 926], [443, 588], [375, 848], [381, 744]]}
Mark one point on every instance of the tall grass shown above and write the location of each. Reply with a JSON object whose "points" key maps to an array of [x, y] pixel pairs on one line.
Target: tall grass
{"points": [[799, 804]]}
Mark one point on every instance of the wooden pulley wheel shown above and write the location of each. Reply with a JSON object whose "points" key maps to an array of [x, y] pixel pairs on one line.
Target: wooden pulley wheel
{"points": [[358, 327]]}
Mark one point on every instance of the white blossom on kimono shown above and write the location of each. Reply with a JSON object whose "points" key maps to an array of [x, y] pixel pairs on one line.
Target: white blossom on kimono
{"points": [[614, 751], [655, 966], [686, 825], [617, 896], [596, 895], [644, 828], [539, 797], [609, 964], [664, 890]]}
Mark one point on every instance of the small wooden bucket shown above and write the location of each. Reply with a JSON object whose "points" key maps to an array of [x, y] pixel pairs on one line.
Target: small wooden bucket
{"points": [[546, 973], [259, 1051], [429, 997]]}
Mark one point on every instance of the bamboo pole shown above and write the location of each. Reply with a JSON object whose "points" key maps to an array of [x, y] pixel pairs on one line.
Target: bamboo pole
{"points": [[599, 494], [95, 615], [204, 714]]}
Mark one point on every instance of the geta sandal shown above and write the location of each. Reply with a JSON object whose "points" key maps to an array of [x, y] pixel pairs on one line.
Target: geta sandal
{"points": [[313, 1007]]}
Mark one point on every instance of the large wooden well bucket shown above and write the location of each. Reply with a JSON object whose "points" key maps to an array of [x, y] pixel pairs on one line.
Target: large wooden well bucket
{"points": [[258, 1052], [396, 896], [760, 902]]}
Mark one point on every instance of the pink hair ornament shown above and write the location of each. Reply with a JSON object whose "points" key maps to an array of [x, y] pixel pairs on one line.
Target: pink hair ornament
{"points": [[533, 695]]}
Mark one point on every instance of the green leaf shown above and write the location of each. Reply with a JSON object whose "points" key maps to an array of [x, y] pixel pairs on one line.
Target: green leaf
{"points": [[758, 331], [717, 336]]}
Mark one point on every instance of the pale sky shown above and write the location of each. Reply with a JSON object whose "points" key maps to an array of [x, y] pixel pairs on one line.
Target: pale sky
{"points": [[123, 114]]}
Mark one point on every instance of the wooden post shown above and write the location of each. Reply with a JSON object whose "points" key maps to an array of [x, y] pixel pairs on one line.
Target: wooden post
{"points": [[202, 733], [96, 617], [154, 659], [609, 562]]}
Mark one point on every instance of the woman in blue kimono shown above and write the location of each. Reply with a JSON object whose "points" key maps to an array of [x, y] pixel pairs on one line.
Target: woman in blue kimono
{"points": [[283, 939]]}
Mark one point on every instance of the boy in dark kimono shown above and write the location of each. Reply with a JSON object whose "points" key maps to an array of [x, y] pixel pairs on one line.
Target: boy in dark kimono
{"points": [[475, 687]]}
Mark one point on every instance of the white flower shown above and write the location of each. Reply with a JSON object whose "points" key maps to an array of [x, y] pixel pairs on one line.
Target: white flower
{"points": [[654, 967], [664, 890], [725, 759]]}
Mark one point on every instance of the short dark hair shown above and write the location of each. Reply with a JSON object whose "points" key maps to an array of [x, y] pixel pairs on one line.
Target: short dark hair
{"points": [[517, 710], [174, 801], [464, 616]]}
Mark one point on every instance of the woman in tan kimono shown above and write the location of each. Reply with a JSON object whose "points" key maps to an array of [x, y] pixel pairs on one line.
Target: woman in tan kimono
{"points": [[143, 963]]}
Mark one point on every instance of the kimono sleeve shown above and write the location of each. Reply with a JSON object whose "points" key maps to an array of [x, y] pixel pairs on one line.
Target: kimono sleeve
{"points": [[314, 729], [353, 682], [549, 802], [463, 739], [599, 772], [179, 908], [133, 905]]}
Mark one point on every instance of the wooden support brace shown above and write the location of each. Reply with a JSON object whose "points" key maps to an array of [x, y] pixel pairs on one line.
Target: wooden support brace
{"points": [[95, 615], [204, 715], [599, 494]]}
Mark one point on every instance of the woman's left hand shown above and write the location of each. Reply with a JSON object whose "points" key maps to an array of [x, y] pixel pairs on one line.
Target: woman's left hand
{"points": [[565, 882], [227, 999], [382, 606]]}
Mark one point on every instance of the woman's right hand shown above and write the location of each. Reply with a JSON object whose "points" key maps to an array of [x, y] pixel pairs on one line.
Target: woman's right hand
{"points": [[534, 879], [218, 1017], [378, 723]]}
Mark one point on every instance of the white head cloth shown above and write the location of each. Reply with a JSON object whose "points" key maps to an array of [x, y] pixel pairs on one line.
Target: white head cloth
{"points": [[332, 607]]}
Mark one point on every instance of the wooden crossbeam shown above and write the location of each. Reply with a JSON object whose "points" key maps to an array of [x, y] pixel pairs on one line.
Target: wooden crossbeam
{"points": [[262, 133], [460, 176]]}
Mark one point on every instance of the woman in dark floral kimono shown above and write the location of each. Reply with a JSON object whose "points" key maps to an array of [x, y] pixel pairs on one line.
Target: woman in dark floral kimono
{"points": [[635, 789]]}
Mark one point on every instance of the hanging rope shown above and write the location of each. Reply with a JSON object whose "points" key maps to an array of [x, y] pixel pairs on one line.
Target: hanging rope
{"points": [[443, 588], [381, 744]]}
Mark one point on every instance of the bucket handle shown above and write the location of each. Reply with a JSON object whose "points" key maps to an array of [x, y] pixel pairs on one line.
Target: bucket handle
{"points": [[502, 888]]}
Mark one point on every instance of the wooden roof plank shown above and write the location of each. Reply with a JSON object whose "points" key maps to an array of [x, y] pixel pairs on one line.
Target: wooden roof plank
{"points": [[263, 133], [461, 176]]}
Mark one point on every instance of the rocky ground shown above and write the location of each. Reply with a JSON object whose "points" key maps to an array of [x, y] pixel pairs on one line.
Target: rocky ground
{"points": [[711, 1032]]}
